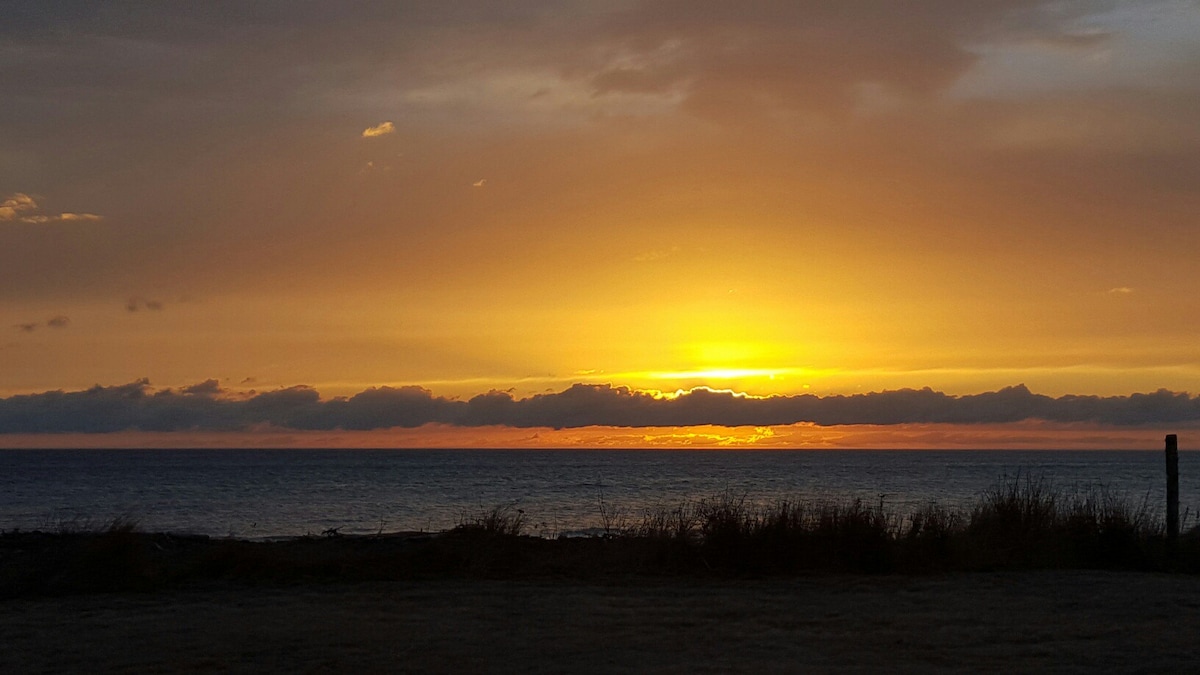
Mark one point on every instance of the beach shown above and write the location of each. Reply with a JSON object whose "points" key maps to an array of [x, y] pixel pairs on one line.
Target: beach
{"points": [[1048, 621]]}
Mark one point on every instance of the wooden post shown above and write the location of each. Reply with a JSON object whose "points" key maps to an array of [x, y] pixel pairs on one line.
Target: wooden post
{"points": [[1172, 488]]}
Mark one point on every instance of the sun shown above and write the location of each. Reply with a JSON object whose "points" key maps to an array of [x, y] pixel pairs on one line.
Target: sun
{"points": [[715, 374]]}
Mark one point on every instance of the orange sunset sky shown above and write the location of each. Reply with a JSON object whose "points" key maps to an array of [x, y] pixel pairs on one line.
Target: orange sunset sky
{"points": [[252, 210]]}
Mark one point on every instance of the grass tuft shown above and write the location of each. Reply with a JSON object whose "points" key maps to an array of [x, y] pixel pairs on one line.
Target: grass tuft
{"points": [[499, 521], [1020, 523]]}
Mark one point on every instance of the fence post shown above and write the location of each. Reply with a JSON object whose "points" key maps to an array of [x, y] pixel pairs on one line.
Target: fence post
{"points": [[1172, 488]]}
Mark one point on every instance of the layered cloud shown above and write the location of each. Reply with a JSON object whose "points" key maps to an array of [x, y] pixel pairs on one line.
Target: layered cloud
{"points": [[15, 206], [746, 59], [21, 208], [207, 407]]}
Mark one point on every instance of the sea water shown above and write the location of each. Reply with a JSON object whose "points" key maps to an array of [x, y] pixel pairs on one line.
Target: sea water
{"points": [[279, 493]]}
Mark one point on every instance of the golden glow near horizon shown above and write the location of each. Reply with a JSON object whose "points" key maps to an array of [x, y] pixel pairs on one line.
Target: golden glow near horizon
{"points": [[1039, 436], [529, 199]]}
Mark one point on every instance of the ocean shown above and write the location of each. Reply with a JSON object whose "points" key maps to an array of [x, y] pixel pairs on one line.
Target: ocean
{"points": [[273, 493]]}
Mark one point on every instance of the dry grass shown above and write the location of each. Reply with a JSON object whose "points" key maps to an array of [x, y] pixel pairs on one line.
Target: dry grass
{"points": [[503, 521], [1021, 523]]}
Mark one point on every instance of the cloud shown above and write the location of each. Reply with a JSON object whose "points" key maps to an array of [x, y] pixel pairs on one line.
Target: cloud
{"points": [[1120, 290], [21, 208], [614, 50], [381, 129], [210, 387], [735, 61], [1079, 40], [479, 183], [79, 216], [59, 321], [138, 303], [138, 406], [16, 204]]}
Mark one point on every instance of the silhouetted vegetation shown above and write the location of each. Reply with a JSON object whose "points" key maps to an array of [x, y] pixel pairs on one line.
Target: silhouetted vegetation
{"points": [[1021, 523]]}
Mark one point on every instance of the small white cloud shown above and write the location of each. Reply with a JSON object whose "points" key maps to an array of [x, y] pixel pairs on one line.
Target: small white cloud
{"points": [[479, 183], [381, 129], [1120, 290]]}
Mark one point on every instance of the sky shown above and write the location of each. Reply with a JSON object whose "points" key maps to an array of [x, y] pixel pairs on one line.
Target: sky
{"points": [[944, 223]]}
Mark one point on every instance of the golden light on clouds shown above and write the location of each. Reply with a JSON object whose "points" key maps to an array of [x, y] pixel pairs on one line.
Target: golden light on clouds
{"points": [[645, 195], [79, 216], [381, 129], [792, 437], [22, 208], [16, 204]]}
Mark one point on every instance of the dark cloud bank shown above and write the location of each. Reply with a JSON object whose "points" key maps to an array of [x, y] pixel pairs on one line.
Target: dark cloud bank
{"points": [[206, 407]]}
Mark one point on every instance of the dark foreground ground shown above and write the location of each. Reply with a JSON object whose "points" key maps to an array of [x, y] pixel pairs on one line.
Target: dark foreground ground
{"points": [[1048, 621]]}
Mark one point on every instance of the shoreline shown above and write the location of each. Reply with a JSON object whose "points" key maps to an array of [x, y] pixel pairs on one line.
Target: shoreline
{"points": [[1020, 525]]}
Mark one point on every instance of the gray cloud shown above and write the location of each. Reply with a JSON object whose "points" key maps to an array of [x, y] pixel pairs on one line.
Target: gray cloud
{"points": [[733, 59], [180, 59], [210, 387], [59, 321], [138, 303], [206, 407]]}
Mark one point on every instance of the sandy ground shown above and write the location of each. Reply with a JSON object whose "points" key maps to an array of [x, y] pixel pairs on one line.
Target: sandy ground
{"points": [[1010, 622]]}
